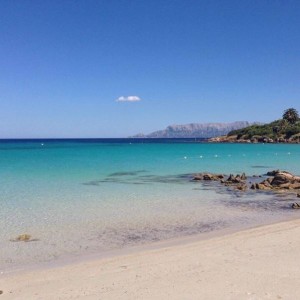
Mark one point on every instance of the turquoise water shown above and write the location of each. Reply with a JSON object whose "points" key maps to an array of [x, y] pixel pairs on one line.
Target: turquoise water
{"points": [[78, 198]]}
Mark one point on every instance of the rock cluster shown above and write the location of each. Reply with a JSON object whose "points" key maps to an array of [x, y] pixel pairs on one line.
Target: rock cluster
{"points": [[280, 180], [236, 181], [208, 177]]}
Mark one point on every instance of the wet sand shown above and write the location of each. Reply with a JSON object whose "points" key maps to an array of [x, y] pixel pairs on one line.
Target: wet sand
{"points": [[259, 263]]}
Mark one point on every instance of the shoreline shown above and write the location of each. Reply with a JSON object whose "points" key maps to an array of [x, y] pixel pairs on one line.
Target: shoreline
{"points": [[75, 280], [71, 259]]}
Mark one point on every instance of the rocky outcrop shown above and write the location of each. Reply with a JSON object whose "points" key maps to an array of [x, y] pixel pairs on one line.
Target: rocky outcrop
{"points": [[281, 180], [236, 181], [278, 181]]}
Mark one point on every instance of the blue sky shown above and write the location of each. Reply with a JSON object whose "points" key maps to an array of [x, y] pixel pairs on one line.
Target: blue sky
{"points": [[63, 64]]}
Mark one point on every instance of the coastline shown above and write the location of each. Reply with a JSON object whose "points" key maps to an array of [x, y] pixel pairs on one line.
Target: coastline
{"points": [[257, 263]]}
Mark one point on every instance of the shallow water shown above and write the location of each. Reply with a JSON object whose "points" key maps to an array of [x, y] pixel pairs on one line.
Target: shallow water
{"points": [[78, 197]]}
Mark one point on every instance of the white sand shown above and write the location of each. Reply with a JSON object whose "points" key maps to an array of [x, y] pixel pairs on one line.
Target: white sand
{"points": [[260, 263]]}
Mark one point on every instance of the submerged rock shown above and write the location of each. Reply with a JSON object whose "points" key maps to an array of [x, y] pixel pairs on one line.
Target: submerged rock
{"points": [[241, 187], [23, 238], [208, 177]]}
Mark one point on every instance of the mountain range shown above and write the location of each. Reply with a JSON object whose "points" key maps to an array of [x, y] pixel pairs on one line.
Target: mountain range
{"points": [[196, 130]]}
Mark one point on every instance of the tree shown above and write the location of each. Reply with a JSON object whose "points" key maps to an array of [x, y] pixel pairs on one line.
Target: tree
{"points": [[291, 115], [283, 124]]}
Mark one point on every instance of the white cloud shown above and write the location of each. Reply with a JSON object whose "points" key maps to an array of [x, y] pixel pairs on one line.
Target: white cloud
{"points": [[128, 99]]}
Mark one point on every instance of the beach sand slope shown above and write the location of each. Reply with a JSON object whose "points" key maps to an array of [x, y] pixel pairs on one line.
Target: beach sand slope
{"points": [[260, 263]]}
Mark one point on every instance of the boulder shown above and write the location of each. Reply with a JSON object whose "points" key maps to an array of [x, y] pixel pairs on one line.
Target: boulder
{"points": [[280, 180], [243, 177], [295, 205], [284, 179]]}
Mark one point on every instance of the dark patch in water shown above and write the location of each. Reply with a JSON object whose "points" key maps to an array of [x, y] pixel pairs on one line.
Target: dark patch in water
{"points": [[128, 173], [151, 233], [91, 183], [156, 234], [99, 182], [261, 201], [261, 167], [142, 179]]}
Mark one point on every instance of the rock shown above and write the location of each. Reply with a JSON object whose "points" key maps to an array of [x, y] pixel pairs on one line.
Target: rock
{"points": [[241, 187], [267, 183], [273, 173], [1, 292], [295, 186], [208, 177], [281, 179], [261, 186], [235, 179], [295, 205], [23, 238], [298, 195]]}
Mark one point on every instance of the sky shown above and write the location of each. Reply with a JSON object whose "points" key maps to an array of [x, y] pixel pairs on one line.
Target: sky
{"points": [[116, 68]]}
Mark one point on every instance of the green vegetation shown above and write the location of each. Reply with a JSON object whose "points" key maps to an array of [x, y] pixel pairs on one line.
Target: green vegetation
{"points": [[291, 115], [286, 129]]}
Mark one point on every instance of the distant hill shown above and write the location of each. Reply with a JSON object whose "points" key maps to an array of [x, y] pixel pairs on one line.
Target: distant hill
{"points": [[196, 130]]}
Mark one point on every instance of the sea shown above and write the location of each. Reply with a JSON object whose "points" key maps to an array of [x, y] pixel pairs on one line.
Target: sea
{"points": [[82, 197]]}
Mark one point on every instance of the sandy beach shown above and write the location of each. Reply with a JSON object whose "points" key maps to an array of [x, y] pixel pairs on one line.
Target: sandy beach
{"points": [[259, 263]]}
